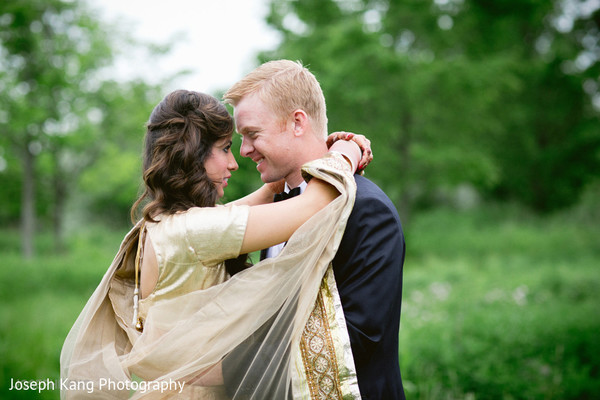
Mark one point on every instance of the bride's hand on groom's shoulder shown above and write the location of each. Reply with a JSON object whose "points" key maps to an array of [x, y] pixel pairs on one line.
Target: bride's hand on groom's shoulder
{"points": [[360, 140]]}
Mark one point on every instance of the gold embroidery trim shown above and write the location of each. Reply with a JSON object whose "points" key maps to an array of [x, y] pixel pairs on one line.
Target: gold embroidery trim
{"points": [[318, 355]]}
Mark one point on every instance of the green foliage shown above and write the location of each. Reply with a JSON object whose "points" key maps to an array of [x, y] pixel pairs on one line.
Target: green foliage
{"points": [[111, 183], [50, 48], [10, 181], [485, 92], [63, 117], [51, 51], [41, 299], [499, 304]]}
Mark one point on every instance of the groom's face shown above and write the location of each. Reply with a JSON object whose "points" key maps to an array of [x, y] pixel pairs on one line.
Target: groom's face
{"points": [[267, 140]]}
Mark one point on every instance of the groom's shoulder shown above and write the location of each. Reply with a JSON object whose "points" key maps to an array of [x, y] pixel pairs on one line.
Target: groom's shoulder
{"points": [[370, 195], [367, 189]]}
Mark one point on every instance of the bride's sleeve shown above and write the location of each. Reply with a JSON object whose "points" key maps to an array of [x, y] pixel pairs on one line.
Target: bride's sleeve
{"points": [[216, 233]]}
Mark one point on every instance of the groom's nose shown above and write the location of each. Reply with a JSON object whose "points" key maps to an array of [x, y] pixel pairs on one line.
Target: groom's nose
{"points": [[246, 148]]}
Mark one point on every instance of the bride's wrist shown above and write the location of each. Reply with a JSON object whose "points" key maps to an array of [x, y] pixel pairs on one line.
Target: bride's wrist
{"points": [[350, 151]]}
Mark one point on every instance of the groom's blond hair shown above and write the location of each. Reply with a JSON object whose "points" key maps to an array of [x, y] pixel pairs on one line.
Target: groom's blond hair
{"points": [[285, 86]]}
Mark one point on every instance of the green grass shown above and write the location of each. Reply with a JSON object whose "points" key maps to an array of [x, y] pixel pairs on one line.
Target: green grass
{"points": [[497, 304], [41, 298], [501, 305]]}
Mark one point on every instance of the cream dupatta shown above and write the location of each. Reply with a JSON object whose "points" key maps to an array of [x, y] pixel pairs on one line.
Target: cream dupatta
{"points": [[255, 319]]}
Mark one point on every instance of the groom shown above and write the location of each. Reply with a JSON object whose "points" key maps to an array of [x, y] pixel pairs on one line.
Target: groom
{"points": [[279, 109]]}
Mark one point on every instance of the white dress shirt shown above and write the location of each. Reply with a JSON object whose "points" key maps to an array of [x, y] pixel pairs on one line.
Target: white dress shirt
{"points": [[275, 250]]}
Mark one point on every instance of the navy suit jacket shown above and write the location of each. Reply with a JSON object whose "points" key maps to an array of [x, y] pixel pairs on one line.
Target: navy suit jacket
{"points": [[368, 273]]}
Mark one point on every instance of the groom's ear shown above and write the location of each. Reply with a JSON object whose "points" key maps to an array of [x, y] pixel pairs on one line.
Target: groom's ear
{"points": [[300, 122]]}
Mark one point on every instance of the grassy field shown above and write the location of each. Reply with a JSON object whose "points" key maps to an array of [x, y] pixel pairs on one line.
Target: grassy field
{"points": [[497, 304]]}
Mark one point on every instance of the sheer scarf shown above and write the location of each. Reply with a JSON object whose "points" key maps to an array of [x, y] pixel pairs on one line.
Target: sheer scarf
{"points": [[253, 321]]}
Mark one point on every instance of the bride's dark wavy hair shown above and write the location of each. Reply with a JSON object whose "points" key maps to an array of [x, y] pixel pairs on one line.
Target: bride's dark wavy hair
{"points": [[180, 135]]}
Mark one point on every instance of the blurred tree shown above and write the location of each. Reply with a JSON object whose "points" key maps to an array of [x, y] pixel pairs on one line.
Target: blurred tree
{"points": [[63, 112], [452, 91], [109, 187], [49, 50]]}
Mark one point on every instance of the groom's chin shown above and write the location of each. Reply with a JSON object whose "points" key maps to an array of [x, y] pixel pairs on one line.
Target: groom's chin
{"points": [[265, 176]]}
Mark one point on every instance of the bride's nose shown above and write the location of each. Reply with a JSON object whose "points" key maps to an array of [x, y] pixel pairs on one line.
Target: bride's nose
{"points": [[232, 164]]}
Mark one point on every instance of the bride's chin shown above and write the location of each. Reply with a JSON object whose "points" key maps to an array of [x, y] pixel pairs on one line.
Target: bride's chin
{"points": [[220, 189]]}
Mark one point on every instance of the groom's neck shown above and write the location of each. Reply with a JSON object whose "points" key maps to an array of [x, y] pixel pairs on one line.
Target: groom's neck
{"points": [[308, 153]]}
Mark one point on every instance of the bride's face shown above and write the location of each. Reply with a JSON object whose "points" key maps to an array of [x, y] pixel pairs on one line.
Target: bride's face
{"points": [[220, 163]]}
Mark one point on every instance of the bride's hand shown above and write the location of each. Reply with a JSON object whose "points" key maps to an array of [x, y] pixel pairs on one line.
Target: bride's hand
{"points": [[360, 140], [276, 187]]}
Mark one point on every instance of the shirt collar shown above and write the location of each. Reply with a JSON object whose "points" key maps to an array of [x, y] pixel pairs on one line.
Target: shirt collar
{"points": [[302, 187]]}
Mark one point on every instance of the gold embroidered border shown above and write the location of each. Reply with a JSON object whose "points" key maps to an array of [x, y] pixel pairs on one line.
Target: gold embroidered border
{"points": [[318, 355]]}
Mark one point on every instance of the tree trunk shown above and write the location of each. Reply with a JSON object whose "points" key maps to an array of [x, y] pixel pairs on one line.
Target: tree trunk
{"points": [[60, 192], [404, 143], [28, 203]]}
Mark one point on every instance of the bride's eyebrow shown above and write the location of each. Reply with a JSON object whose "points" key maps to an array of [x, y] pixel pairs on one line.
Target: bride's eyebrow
{"points": [[223, 142]]}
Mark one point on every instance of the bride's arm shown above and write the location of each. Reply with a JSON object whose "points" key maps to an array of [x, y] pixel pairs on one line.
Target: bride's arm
{"points": [[262, 195], [270, 224]]}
